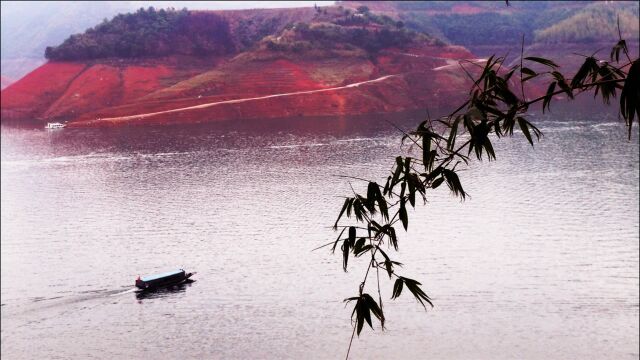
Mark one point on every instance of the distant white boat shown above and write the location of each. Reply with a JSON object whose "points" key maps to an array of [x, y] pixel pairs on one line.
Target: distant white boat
{"points": [[54, 125]]}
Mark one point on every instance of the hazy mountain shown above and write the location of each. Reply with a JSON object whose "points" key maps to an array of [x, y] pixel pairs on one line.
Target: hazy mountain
{"points": [[28, 27], [477, 24]]}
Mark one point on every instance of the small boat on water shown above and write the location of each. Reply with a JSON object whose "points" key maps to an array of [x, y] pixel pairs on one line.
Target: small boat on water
{"points": [[170, 278], [54, 125]]}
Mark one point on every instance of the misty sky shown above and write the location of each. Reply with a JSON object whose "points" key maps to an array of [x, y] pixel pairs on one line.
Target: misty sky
{"points": [[220, 5], [227, 5]]}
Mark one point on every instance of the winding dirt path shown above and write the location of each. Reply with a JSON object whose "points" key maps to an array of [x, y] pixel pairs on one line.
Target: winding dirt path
{"points": [[235, 101], [452, 63]]}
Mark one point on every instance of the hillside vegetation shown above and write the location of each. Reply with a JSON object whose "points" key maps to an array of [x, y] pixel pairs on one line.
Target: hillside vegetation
{"points": [[492, 23], [156, 33], [339, 28], [486, 28], [596, 22], [149, 33]]}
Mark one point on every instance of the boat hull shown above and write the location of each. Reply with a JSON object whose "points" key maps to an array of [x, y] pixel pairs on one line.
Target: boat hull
{"points": [[164, 281]]}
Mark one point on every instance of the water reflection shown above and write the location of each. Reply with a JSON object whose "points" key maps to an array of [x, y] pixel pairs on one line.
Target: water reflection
{"points": [[541, 261], [165, 291], [195, 137]]}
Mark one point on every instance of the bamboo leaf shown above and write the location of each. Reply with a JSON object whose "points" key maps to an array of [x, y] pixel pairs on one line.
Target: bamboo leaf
{"points": [[386, 186], [562, 83], [375, 309], [547, 98], [588, 67], [397, 288], [397, 172], [414, 287], [387, 262], [437, 182], [542, 61], [630, 96], [525, 129], [432, 175], [392, 236], [367, 318], [372, 190], [362, 250], [347, 245], [335, 244], [488, 147], [407, 165], [358, 245], [621, 45], [358, 208], [412, 191], [426, 150], [382, 205], [403, 214], [364, 307], [360, 316], [453, 133], [454, 183], [344, 207]]}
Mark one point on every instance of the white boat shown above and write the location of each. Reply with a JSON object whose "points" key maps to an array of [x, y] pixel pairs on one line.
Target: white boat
{"points": [[54, 125]]}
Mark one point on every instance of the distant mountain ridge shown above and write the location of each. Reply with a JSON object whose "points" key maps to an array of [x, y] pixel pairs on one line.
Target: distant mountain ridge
{"points": [[29, 26], [493, 23], [596, 22]]}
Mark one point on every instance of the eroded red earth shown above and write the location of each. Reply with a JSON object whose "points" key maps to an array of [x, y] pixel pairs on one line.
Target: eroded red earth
{"points": [[118, 92]]}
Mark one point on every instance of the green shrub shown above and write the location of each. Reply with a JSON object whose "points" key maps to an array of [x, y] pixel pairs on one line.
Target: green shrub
{"points": [[149, 32]]}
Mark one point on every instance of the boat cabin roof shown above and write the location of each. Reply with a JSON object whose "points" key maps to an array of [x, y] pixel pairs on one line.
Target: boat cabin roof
{"points": [[159, 276]]}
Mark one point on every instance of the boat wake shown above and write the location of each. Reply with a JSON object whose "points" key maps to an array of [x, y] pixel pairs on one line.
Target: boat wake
{"points": [[38, 304], [132, 290]]}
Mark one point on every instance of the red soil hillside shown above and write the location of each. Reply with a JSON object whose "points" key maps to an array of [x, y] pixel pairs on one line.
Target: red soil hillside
{"points": [[32, 95], [88, 94], [327, 66]]}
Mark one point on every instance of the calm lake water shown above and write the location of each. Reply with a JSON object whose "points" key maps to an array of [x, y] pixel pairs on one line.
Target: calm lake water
{"points": [[540, 263]]}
